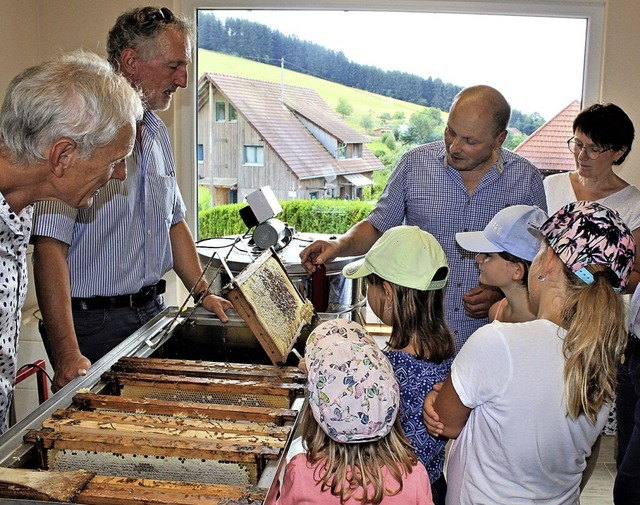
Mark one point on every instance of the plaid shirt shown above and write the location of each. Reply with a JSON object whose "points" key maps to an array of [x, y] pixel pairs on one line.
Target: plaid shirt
{"points": [[424, 192]]}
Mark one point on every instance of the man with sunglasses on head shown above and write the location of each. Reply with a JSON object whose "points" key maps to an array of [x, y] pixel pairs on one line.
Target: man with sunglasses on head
{"points": [[98, 272]]}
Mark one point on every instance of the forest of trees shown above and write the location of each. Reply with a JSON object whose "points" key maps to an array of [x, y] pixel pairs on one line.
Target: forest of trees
{"points": [[258, 42]]}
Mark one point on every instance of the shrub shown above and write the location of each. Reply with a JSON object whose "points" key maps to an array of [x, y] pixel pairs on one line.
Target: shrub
{"points": [[204, 198], [309, 216]]}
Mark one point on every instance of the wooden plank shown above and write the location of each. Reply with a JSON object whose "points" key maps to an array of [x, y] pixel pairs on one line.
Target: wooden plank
{"points": [[149, 446], [38, 485], [103, 490], [90, 401], [100, 428], [209, 369], [171, 423], [205, 385]]}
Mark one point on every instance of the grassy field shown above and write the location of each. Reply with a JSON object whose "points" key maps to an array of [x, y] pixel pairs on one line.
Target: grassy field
{"points": [[363, 102]]}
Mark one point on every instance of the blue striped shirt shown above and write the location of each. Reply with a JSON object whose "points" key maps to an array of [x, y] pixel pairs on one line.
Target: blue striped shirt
{"points": [[121, 243], [422, 191]]}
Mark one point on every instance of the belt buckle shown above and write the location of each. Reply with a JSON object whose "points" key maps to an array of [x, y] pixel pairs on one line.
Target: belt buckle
{"points": [[132, 301], [142, 296]]}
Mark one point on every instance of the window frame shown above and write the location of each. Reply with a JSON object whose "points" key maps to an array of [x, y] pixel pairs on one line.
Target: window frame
{"points": [[221, 112], [233, 114], [258, 150], [186, 116]]}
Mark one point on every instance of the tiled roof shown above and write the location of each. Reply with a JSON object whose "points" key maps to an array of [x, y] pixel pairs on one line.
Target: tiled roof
{"points": [[546, 147], [260, 103]]}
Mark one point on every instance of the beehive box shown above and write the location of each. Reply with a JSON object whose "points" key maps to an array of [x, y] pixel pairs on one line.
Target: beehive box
{"points": [[168, 431]]}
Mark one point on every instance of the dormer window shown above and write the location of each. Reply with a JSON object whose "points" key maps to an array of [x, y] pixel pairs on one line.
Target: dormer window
{"points": [[349, 151]]}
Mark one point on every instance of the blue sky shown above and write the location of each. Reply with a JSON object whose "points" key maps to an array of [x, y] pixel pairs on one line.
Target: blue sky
{"points": [[535, 71]]}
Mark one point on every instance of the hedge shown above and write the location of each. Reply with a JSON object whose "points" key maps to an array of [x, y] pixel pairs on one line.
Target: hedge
{"points": [[309, 216]]}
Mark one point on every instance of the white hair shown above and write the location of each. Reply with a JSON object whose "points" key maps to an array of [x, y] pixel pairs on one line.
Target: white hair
{"points": [[77, 95]]}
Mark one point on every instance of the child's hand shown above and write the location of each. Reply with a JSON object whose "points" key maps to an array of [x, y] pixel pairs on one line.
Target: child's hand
{"points": [[302, 364], [429, 415]]}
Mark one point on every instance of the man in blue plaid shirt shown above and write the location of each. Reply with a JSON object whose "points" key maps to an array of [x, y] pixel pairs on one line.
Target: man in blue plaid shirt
{"points": [[445, 187]]}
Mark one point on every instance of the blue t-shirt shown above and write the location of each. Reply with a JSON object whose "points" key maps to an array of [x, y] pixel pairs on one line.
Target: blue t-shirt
{"points": [[416, 378]]}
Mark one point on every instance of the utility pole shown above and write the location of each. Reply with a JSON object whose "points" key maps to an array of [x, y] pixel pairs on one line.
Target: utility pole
{"points": [[282, 80]]}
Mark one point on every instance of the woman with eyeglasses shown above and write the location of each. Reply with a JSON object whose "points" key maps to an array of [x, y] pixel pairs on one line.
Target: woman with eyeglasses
{"points": [[602, 138]]}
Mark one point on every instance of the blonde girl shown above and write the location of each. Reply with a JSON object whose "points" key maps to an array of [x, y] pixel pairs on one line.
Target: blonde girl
{"points": [[527, 401]]}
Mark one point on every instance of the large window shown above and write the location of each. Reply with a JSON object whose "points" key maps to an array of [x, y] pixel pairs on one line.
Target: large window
{"points": [[522, 59]]}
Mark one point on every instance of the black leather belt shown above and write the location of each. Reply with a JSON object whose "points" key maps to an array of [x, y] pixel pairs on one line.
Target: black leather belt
{"points": [[142, 297]]}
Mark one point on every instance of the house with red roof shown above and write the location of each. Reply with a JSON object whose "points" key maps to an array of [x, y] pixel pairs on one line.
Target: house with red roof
{"points": [[253, 133], [547, 147]]}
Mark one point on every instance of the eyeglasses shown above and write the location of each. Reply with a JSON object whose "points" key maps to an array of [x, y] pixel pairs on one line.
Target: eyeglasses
{"points": [[593, 153]]}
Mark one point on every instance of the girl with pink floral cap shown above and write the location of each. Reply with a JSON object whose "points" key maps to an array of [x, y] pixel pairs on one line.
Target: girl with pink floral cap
{"points": [[357, 453], [527, 401]]}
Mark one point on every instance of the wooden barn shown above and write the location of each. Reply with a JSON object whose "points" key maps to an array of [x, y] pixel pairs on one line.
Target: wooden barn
{"points": [[253, 133]]}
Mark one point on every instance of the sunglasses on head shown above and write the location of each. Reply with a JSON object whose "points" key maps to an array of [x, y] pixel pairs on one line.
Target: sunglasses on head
{"points": [[153, 16]]}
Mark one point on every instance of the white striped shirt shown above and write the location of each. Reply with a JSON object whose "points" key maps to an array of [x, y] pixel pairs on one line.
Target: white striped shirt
{"points": [[121, 243], [423, 192]]}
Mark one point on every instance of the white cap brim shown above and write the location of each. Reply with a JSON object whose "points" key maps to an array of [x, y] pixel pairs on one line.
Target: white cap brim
{"points": [[475, 241]]}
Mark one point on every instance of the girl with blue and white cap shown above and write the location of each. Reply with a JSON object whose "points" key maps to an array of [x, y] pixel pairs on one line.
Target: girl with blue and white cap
{"points": [[505, 250], [357, 453]]}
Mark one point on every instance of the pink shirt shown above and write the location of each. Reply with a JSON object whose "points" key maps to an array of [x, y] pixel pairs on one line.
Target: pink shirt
{"points": [[300, 488]]}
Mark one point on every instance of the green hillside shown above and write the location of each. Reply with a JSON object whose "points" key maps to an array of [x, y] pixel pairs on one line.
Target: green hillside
{"points": [[363, 102]]}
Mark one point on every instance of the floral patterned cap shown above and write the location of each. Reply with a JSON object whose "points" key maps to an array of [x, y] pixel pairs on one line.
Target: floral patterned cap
{"points": [[351, 387], [588, 233]]}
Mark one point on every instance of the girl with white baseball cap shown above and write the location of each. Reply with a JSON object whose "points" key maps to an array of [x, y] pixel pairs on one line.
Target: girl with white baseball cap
{"points": [[505, 250]]}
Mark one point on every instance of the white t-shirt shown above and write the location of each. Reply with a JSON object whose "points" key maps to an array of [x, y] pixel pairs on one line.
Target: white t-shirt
{"points": [[626, 202], [518, 445]]}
